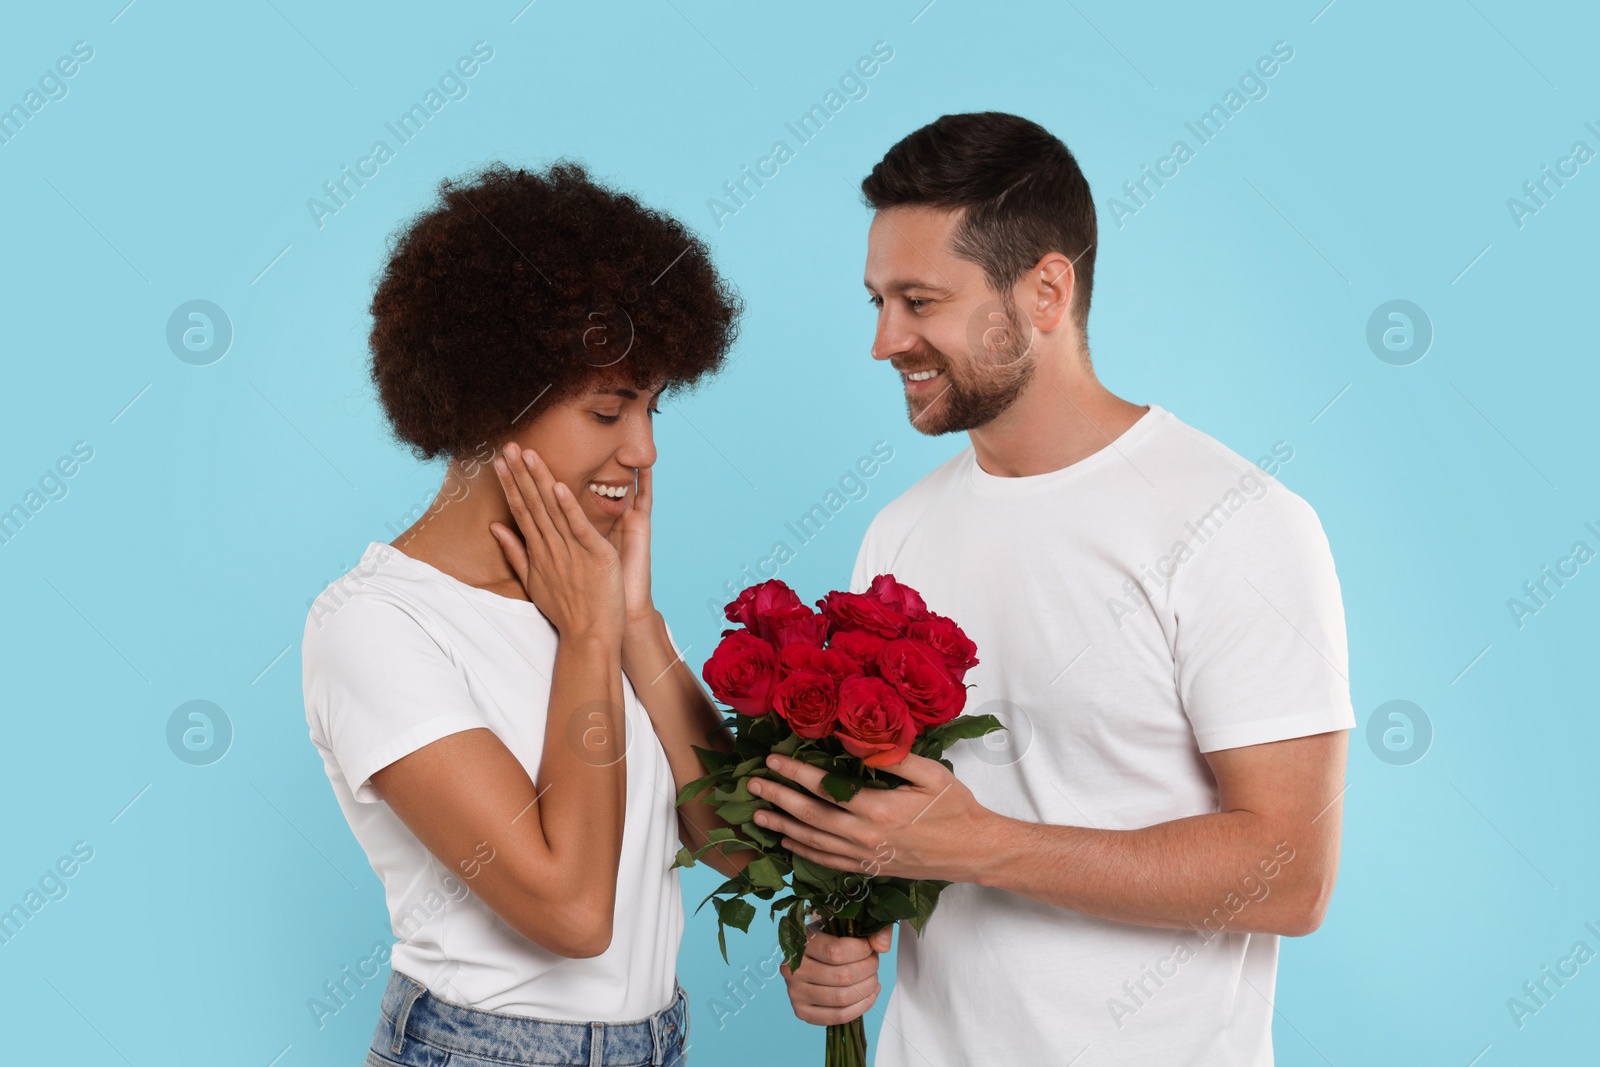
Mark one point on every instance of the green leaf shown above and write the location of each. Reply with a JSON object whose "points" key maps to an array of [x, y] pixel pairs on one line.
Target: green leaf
{"points": [[713, 760], [889, 904], [738, 789], [726, 847], [722, 940], [737, 913], [823, 878], [787, 746], [765, 872], [792, 935], [780, 903], [740, 811], [965, 726], [925, 895], [754, 763], [763, 837], [762, 732], [839, 787], [732, 885], [698, 786], [685, 859]]}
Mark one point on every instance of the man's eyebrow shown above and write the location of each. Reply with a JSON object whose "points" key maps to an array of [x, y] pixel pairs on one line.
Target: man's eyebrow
{"points": [[908, 284]]}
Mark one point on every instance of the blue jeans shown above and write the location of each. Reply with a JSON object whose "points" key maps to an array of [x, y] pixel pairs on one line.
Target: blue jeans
{"points": [[417, 1029]]}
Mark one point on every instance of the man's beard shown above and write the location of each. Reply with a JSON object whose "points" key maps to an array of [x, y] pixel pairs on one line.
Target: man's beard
{"points": [[1000, 369]]}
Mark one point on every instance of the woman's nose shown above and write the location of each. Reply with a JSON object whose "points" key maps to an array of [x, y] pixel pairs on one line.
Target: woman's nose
{"points": [[640, 448]]}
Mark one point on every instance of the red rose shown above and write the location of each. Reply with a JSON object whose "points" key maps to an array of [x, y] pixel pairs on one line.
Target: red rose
{"points": [[857, 611], [859, 645], [741, 672], [809, 701], [832, 662], [765, 609], [898, 597], [960, 654], [874, 722], [810, 629], [918, 674]]}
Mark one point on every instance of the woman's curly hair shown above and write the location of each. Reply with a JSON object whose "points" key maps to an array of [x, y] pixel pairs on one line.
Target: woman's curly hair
{"points": [[520, 289]]}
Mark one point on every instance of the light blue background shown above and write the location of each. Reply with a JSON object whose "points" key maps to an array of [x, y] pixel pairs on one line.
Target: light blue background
{"points": [[181, 563]]}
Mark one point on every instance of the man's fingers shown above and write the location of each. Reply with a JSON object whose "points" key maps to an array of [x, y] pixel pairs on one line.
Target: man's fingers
{"points": [[883, 940], [843, 976], [862, 1006], [920, 771], [851, 1006], [834, 996], [825, 948]]}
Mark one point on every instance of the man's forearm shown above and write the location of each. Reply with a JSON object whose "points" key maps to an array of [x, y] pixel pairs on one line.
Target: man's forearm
{"points": [[1218, 871]]}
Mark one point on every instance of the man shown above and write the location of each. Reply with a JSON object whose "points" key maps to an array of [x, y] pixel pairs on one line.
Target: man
{"points": [[1159, 627]]}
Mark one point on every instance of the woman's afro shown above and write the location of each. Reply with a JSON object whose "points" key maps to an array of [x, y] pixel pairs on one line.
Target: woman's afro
{"points": [[519, 289]]}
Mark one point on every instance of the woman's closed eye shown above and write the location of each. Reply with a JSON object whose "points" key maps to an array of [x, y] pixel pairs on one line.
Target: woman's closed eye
{"points": [[608, 419]]}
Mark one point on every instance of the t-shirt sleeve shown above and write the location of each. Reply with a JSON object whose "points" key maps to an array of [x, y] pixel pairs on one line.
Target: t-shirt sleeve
{"points": [[673, 641], [861, 577], [379, 686], [1260, 646]]}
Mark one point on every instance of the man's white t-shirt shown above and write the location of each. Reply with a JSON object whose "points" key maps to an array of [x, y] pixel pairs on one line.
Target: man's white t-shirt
{"points": [[1159, 599], [398, 654]]}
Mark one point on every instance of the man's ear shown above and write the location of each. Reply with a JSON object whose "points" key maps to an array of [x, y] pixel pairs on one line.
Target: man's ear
{"points": [[1046, 291]]}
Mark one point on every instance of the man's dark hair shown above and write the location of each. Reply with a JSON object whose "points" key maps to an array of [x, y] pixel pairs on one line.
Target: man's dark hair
{"points": [[519, 289], [1020, 188]]}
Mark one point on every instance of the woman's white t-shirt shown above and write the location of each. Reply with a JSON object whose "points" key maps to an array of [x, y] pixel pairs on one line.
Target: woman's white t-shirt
{"points": [[398, 654]]}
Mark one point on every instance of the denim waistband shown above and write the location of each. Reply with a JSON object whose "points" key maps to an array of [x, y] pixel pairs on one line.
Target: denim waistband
{"points": [[411, 1012]]}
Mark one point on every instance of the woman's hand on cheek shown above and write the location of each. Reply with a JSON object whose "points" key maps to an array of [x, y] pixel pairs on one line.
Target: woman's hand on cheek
{"points": [[631, 536], [566, 567]]}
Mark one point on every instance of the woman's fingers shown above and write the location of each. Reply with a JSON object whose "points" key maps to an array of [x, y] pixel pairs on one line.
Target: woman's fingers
{"points": [[544, 484], [522, 472], [533, 533], [644, 491], [583, 530], [516, 553], [565, 512]]}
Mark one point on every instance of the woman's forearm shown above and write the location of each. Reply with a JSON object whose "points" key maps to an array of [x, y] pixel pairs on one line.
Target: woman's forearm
{"points": [[582, 784], [683, 715]]}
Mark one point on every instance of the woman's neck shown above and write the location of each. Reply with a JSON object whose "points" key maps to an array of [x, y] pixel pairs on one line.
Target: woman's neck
{"points": [[453, 534]]}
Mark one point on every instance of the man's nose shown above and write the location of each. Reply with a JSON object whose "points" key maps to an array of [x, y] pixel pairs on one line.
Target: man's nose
{"points": [[891, 338]]}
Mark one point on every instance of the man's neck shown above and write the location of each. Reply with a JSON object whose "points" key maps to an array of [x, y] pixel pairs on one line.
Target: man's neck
{"points": [[1063, 416]]}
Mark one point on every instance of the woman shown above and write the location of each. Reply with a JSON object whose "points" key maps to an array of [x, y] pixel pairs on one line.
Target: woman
{"points": [[500, 708]]}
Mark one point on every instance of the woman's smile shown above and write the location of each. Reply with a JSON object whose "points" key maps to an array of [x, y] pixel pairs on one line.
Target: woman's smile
{"points": [[613, 505]]}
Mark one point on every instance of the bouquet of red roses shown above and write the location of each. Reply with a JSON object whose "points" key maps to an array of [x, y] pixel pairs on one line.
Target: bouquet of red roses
{"points": [[851, 688]]}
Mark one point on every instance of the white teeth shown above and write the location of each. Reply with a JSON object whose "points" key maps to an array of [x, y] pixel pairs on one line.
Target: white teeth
{"points": [[614, 492], [921, 375]]}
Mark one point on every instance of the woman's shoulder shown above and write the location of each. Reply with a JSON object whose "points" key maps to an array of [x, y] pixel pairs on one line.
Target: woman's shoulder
{"points": [[379, 599]]}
